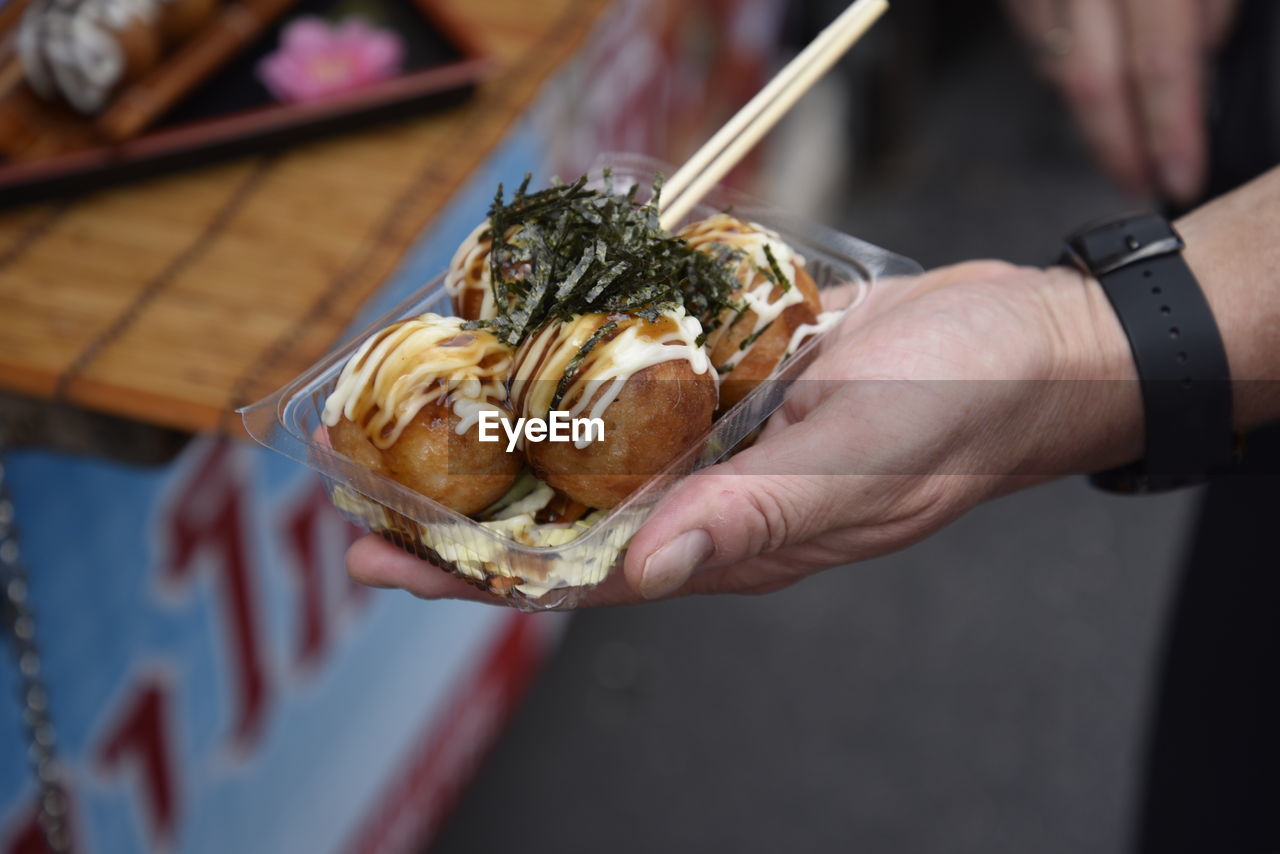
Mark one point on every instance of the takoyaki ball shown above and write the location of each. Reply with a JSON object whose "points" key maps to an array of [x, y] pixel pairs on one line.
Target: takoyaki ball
{"points": [[408, 404], [647, 380], [749, 344], [760, 358], [660, 412], [469, 279], [431, 458]]}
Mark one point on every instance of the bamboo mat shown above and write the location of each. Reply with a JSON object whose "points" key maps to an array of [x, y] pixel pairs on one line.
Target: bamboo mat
{"points": [[174, 301]]}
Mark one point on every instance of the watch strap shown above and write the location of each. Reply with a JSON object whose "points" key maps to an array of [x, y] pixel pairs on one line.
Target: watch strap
{"points": [[1177, 348]]}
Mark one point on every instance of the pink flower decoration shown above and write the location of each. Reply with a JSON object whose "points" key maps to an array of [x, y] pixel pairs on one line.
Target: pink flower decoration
{"points": [[316, 59]]}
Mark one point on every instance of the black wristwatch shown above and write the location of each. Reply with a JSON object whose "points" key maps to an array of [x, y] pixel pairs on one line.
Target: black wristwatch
{"points": [[1182, 364]]}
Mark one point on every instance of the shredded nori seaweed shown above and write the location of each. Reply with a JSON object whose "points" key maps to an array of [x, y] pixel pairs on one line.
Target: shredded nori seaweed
{"points": [[578, 358], [751, 339], [779, 278], [580, 251]]}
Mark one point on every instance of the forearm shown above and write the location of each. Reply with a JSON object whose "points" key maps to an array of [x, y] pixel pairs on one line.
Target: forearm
{"points": [[1233, 247]]}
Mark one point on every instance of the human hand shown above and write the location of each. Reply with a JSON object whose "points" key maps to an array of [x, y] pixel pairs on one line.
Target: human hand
{"points": [[933, 395], [1133, 73]]}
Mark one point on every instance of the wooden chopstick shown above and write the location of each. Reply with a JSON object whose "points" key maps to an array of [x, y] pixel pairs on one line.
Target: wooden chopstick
{"points": [[730, 144]]}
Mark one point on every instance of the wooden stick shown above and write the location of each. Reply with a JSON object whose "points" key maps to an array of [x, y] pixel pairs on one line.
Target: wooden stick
{"points": [[741, 133]]}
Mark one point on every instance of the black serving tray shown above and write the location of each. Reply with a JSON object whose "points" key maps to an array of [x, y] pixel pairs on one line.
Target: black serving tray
{"points": [[232, 114]]}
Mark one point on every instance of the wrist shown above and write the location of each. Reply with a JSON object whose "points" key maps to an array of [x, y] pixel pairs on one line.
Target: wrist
{"points": [[1094, 395], [1093, 346]]}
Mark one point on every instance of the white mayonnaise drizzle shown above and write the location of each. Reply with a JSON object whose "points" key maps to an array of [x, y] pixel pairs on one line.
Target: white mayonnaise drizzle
{"points": [[804, 331], [753, 270], [637, 344], [401, 369], [471, 271], [462, 278]]}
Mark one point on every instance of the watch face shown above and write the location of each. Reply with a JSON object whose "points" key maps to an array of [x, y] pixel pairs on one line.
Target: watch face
{"points": [[1107, 245]]}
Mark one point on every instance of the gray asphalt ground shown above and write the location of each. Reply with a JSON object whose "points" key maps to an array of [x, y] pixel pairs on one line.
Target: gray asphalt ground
{"points": [[984, 691]]}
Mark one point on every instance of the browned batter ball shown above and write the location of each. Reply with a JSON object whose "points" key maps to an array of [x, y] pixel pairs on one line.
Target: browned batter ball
{"points": [[661, 412], [468, 277], [429, 457], [764, 356]]}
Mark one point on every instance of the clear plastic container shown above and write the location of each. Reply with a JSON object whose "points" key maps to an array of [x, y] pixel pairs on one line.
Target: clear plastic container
{"points": [[544, 577]]}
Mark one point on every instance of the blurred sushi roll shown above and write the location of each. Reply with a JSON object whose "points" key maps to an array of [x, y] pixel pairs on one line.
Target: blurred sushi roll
{"points": [[82, 52]]}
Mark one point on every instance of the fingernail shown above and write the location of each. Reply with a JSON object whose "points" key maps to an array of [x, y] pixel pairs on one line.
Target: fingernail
{"points": [[670, 566], [1178, 174]]}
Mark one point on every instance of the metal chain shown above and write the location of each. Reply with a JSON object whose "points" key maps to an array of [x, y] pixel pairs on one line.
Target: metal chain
{"points": [[18, 618]]}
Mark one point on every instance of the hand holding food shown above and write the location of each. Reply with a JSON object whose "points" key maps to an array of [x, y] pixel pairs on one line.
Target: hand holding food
{"points": [[932, 397], [576, 307]]}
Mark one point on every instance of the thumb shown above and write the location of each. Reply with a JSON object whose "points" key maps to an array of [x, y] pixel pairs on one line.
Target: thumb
{"points": [[756, 502]]}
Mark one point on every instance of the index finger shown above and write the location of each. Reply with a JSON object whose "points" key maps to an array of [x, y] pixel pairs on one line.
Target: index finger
{"points": [[375, 562], [1167, 56], [1093, 77]]}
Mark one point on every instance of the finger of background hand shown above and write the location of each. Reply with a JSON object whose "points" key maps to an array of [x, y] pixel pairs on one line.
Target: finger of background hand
{"points": [[373, 561], [1220, 18], [1093, 77], [1167, 58], [1033, 18]]}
